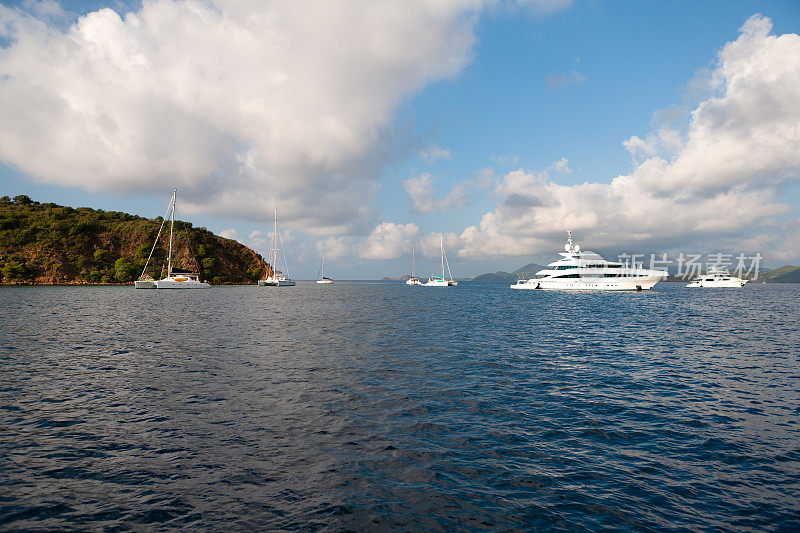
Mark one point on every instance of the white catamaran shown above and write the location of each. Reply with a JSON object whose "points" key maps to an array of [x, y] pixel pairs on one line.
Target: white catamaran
{"points": [[584, 270], [277, 278], [322, 279], [441, 281], [176, 278], [413, 280]]}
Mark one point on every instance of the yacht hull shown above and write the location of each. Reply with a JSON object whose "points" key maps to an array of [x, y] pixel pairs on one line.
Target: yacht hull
{"points": [[732, 284], [579, 285], [276, 283], [325, 281], [144, 284], [171, 284], [437, 283]]}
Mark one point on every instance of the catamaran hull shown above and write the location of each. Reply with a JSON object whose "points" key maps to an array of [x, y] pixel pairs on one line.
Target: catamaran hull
{"points": [[578, 285], [276, 283], [170, 284], [144, 284], [437, 283], [325, 281]]}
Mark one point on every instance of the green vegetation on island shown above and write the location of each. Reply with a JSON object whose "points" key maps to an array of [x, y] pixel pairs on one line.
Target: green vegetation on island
{"points": [[54, 244]]}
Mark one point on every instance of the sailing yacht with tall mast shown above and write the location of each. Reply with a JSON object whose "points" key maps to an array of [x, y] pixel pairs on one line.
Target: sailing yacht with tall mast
{"points": [[323, 279], [277, 278], [413, 280], [178, 278], [441, 281]]}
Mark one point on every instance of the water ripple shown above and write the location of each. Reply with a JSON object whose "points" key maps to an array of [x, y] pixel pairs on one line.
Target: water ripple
{"points": [[384, 407]]}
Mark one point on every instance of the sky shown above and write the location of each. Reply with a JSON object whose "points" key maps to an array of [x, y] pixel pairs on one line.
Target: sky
{"points": [[643, 127]]}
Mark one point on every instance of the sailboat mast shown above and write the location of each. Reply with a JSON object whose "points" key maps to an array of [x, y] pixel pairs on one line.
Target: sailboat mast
{"points": [[171, 226], [274, 250], [323, 267], [412, 259], [441, 245]]}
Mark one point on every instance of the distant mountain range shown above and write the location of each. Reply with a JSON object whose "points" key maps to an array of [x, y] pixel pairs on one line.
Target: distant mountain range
{"points": [[54, 244], [525, 272]]}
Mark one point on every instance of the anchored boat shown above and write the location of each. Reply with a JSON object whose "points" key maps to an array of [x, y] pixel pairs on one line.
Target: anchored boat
{"points": [[584, 270], [277, 278]]}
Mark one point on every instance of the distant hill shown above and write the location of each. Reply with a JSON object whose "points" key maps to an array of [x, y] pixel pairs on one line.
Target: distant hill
{"points": [[525, 272], [54, 244], [784, 274]]}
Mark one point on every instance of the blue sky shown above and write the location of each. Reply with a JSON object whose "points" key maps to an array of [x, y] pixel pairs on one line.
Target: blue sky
{"points": [[529, 89]]}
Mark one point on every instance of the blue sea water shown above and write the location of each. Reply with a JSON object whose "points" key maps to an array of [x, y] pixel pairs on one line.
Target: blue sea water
{"points": [[383, 407]]}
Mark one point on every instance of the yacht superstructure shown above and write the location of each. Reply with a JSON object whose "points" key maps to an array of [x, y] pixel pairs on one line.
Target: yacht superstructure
{"points": [[584, 270], [717, 279]]}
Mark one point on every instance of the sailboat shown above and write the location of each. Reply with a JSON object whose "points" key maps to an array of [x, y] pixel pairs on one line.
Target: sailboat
{"points": [[277, 278], [146, 281], [413, 280], [178, 278], [441, 281], [322, 278]]}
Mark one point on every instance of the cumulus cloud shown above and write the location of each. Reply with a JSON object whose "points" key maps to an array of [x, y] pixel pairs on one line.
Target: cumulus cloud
{"points": [[389, 240], [243, 105], [230, 234], [423, 197], [722, 178], [335, 247]]}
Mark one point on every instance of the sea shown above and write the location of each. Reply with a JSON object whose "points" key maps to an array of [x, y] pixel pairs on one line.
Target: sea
{"points": [[376, 406]]}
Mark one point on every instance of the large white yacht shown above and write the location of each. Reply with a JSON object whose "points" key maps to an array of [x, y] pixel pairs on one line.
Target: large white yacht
{"points": [[277, 278], [715, 278], [584, 270]]}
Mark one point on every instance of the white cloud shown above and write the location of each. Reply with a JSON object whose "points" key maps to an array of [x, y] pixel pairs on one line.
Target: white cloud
{"points": [[424, 199], [433, 153], [722, 178], [335, 247], [230, 234], [389, 240], [243, 105]]}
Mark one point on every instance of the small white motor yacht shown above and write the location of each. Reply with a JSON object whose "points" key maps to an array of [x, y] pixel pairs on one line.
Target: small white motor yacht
{"points": [[716, 279], [585, 270]]}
